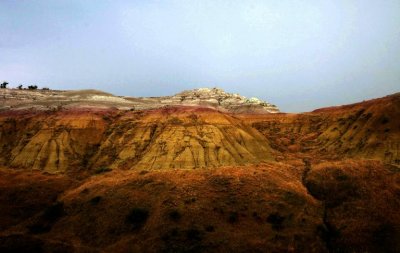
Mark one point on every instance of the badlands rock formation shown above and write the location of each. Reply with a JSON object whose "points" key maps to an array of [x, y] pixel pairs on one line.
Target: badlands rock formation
{"points": [[217, 98], [88, 139], [59, 130], [200, 171], [204, 97], [88, 132]]}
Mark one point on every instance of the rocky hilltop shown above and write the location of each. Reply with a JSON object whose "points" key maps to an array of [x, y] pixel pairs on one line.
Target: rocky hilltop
{"points": [[204, 97], [218, 98]]}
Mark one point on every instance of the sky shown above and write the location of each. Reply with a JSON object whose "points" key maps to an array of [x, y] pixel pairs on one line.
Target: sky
{"points": [[299, 55]]}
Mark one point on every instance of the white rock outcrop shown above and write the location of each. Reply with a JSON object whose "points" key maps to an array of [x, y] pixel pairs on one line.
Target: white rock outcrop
{"points": [[216, 97], [205, 97]]}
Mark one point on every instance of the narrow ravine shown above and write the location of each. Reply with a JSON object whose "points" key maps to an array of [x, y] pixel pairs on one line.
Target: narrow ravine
{"points": [[327, 231]]}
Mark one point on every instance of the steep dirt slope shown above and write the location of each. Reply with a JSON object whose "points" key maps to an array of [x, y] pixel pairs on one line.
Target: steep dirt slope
{"points": [[179, 137], [23, 195], [368, 129], [347, 206], [228, 209]]}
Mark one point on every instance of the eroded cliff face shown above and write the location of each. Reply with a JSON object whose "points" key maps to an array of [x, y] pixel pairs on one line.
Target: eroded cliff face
{"points": [[180, 137], [368, 130], [87, 139], [49, 141]]}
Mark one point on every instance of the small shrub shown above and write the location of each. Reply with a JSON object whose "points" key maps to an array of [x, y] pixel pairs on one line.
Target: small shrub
{"points": [[367, 116], [189, 201], [193, 117], [95, 200], [102, 170], [53, 212], [137, 217], [170, 235], [220, 181], [233, 217], [175, 215], [3, 85], [193, 234], [85, 191], [384, 120], [276, 220], [342, 177], [175, 121], [210, 228], [32, 87]]}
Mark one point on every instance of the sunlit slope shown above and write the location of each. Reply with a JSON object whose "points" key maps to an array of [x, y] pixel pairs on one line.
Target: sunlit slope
{"points": [[180, 137], [85, 140]]}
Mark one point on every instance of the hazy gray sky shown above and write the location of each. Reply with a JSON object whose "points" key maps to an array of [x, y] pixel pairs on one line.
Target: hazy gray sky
{"points": [[299, 55]]}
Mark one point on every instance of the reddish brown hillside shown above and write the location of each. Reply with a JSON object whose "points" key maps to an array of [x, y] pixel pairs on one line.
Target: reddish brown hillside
{"points": [[369, 129], [349, 206], [196, 179]]}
